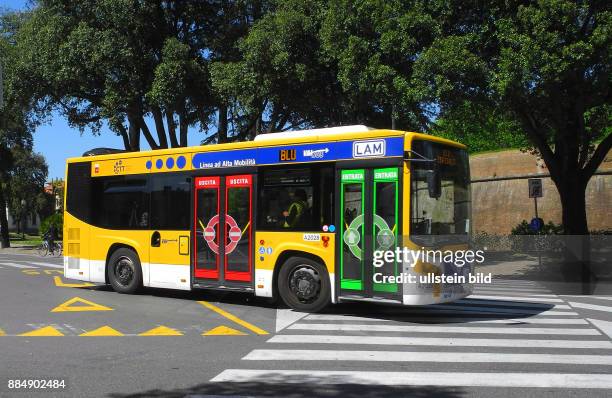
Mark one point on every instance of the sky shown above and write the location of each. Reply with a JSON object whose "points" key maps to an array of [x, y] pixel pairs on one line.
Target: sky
{"points": [[56, 141]]}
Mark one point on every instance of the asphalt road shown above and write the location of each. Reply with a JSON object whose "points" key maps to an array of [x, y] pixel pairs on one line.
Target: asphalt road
{"points": [[513, 338]]}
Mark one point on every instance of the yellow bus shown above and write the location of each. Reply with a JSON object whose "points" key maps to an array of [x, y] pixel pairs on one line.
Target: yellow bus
{"points": [[297, 215]]}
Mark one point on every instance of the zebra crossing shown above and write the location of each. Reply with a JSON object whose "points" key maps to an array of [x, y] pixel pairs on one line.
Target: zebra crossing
{"points": [[29, 265], [509, 334], [600, 304]]}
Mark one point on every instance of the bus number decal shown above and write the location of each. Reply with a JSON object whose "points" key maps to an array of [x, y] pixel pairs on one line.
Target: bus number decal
{"points": [[312, 237]]}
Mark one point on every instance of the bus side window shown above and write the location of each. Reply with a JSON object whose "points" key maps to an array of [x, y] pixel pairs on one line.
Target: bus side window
{"points": [[121, 202], [299, 199]]}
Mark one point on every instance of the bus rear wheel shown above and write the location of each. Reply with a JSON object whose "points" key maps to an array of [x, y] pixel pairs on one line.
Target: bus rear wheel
{"points": [[124, 271], [304, 285]]}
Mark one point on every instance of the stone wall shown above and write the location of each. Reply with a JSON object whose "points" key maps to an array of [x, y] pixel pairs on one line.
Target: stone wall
{"points": [[500, 204]]}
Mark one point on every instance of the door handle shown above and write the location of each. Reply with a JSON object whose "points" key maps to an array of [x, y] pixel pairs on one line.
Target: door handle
{"points": [[155, 239]]}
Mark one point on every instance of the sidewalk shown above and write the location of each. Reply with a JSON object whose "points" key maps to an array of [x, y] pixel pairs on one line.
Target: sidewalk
{"points": [[19, 249]]}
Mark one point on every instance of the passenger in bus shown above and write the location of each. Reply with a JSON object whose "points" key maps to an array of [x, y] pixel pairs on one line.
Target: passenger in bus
{"points": [[296, 214]]}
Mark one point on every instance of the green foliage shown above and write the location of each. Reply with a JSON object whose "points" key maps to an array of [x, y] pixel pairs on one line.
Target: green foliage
{"points": [[121, 62], [279, 76], [481, 129], [15, 123], [26, 181], [56, 219], [545, 64], [374, 46], [549, 228]]}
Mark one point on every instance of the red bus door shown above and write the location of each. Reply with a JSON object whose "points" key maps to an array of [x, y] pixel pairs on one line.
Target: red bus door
{"points": [[223, 229]]}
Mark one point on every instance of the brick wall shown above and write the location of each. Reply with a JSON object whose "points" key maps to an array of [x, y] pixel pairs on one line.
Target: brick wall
{"points": [[498, 205]]}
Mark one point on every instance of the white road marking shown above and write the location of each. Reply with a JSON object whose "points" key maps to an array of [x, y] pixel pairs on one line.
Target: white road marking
{"points": [[507, 282], [443, 329], [48, 265], [286, 317], [491, 310], [588, 297], [511, 293], [513, 304], [438, 341], [515, 298], [530, 320], [18, 265], [604, 326], [326, 317], [457, 379], [419, 356], [591, 307], [511, 290]]}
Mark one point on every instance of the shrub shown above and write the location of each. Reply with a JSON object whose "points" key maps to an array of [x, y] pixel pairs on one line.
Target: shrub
{"points": [[550, 228], [56, 219]]}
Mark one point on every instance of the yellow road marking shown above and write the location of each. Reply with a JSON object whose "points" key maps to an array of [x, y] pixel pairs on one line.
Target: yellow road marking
{"points": [[43, 332], [2, 333], [89, 306], [30, 272], [51, 271], [233, 318], [102, 331], [161, 331], [224, 331], [59, 283]]}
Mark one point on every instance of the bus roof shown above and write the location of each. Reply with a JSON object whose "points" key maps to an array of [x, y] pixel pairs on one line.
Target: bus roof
{"points": [[342, 133]]}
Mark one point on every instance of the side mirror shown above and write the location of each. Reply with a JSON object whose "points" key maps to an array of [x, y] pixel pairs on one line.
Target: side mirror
{"points": [[434, 182]]}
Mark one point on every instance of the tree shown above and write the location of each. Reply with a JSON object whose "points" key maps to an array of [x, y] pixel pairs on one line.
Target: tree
{"points": [[25, 183], [279, 80], [375, 45], [15, 124], [547, 64], [479, 127], [119, 62]]}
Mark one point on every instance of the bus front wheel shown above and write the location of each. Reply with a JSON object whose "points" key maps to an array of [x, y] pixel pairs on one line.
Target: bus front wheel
{"points": [[304, 285], [124, 271]]}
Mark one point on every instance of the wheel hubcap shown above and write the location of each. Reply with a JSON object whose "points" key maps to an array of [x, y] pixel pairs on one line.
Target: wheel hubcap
{"points": [[124, 271], [305, 283]]}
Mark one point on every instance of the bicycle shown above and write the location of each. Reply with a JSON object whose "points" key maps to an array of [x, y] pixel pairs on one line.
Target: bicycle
{"points": [[43, 249]]}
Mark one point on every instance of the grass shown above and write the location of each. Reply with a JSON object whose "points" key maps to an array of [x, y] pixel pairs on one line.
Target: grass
{"points": [[30, 240]]}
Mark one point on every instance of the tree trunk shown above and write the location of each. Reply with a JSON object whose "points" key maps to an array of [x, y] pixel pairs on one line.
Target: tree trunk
{"points": [[134, 131], [183, 128], [572, 191], [4, 233], [574, 218], [159, 126], [576, 267], [171, 128], [222, 130]]}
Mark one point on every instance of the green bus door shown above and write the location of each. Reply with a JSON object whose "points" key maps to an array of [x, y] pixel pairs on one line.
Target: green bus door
{"points": [[369, 223]]}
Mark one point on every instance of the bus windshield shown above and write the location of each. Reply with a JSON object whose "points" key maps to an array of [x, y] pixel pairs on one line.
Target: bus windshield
{"points": [[446, 216]]}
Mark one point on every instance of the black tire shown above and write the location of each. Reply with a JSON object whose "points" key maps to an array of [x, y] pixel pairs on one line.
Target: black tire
{"points": [[304, 285], [124, 271]]}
